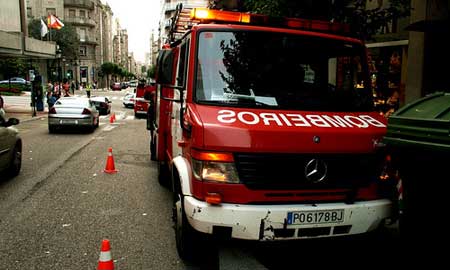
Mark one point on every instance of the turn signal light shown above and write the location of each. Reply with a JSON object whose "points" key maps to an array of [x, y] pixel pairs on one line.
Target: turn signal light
{"points": [[213, 198], [212, 156], [52, 110]]}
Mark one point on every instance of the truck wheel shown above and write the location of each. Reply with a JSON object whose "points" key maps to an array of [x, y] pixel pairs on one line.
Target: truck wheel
{"points": [[188, 240], [163, 174], [152, 149], [16, 161]]}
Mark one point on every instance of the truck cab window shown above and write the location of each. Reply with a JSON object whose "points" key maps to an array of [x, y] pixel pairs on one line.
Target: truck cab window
{"points": [[281, 71]]}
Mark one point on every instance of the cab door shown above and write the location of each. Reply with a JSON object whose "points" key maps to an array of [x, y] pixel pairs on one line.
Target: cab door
{"points": [[180, 92]]}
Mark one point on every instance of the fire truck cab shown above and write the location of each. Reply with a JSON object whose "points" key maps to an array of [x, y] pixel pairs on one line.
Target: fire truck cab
{"points": [[266, 130]]}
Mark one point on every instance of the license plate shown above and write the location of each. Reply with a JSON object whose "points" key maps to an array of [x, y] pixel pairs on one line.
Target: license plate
{"points": [[68, 121], [315, 217]]}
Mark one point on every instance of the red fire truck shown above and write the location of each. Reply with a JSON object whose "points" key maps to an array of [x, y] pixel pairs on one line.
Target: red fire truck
{"points": [[265, 130], [140, 103]]}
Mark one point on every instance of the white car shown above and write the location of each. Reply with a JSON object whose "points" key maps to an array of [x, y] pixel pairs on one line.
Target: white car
{"points": [[128, 100], [73, 112]]}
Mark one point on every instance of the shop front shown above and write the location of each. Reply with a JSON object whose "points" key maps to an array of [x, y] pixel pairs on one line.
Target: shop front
{"points": [[387, 65]]}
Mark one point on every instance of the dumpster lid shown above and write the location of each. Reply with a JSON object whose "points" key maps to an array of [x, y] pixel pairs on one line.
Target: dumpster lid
{"points": [[424, 123]]}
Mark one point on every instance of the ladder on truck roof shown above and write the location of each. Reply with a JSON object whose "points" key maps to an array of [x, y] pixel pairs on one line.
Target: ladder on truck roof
{"points": [[180, 23]]}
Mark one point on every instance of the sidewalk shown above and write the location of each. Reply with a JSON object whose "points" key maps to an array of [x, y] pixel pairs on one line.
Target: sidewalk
{"points": [[24, 114]]}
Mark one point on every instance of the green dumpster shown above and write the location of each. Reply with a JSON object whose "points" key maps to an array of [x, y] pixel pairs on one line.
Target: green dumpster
{"points": [[418, 137]]}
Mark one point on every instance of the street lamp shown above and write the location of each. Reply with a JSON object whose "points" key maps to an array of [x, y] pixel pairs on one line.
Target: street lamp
{"points": [[58, 56], [76, 75]]}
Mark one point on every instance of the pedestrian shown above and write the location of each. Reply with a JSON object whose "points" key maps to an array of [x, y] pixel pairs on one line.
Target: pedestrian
{"points": [[72, 87], [66, 87], [88, 90]]}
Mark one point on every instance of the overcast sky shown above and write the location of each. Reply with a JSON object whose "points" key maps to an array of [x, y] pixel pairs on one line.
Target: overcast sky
{"points": [[139, 17]]}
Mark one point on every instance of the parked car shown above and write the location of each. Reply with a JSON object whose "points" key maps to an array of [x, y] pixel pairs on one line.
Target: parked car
{"points": [[10, 147], [16, 83], [73, 112], [102, 104], [16, 80], [133, 83], [128, 100], [116, 86]]}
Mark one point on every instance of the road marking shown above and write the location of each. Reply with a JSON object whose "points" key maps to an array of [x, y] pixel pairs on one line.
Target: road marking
{"points": [[109, 128]]}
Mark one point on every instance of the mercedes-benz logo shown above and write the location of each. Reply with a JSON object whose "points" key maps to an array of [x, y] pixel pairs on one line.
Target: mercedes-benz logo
{"points": [[316, 170]]}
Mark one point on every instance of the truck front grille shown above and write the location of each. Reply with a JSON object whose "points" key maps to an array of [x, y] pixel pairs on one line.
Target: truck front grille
{"points": [[287, 171]]}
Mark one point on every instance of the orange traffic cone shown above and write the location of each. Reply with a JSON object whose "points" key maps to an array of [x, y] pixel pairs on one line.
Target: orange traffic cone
{"points": [[110, 168], [105, 261]]}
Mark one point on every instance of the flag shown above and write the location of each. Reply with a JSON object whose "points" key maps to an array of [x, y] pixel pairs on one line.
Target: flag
{"points": [[54, 22], [44, 29]]}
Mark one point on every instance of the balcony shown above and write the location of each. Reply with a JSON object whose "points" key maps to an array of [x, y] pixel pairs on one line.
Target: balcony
{"points": [[89, 4], [82, 21], [89, 39]]}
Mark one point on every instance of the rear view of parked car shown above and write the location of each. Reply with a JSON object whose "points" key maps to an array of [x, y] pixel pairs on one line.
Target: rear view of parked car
{"points": [[10, 147], [102, 104], [116, 86], [73, 112], [128, 100]]}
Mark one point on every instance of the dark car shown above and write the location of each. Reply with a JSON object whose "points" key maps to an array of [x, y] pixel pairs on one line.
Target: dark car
{"points": [[10, 147], [103, 104], [116, 86]]}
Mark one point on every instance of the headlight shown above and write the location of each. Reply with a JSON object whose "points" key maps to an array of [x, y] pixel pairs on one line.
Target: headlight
{"points": [[223, 172]]}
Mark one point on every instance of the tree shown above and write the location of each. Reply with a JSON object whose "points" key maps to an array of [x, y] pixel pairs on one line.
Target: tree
{"points": [[365, 23], [151, 72], [66, 37], [12, 67], [107, 68]]}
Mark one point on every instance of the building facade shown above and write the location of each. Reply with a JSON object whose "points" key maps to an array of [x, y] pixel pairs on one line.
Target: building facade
{"points": [[92, 21], [15, 42]]}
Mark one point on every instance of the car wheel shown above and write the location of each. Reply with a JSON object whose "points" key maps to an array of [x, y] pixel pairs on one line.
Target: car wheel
{"points": [[16, 160]]}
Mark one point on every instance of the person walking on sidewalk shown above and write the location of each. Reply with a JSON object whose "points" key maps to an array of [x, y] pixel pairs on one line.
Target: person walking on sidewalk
{"points": [[88, 90]]}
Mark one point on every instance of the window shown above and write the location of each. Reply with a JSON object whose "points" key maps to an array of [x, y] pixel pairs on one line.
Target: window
{"points": [[281, 71], [182, 64], [82, 34], [83, 51], [51, 11], [29, 12], [72, 13], [82, 13]]}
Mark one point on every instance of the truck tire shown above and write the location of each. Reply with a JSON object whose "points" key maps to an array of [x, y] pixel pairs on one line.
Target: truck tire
{"points": [[188, 241], [152, 149], [163, 174]]}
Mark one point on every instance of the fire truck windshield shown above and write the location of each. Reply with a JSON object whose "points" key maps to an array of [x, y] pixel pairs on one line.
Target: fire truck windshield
{"points": [[281, 71]]}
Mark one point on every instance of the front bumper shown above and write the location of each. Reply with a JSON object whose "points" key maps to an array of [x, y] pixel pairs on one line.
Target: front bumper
{"points": [[268, 222]]}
